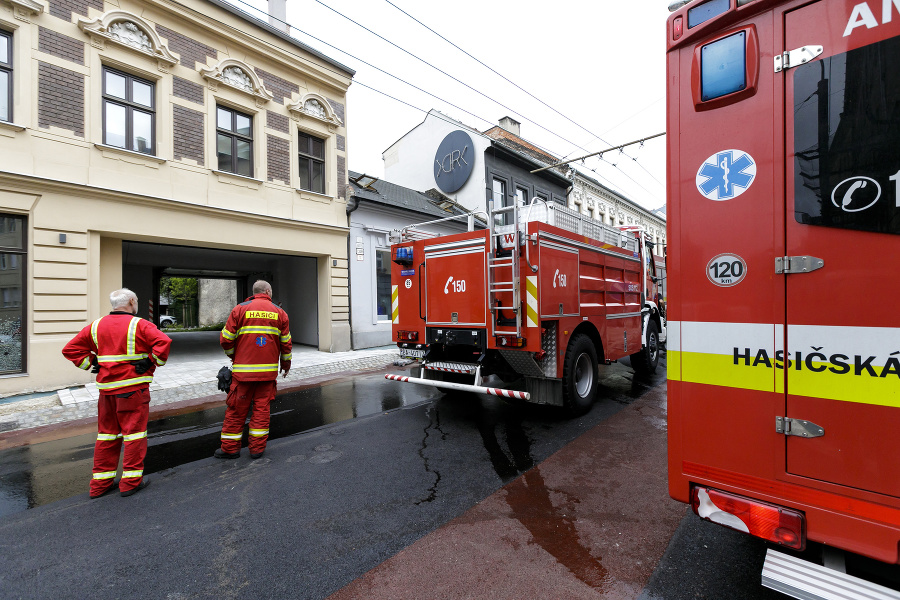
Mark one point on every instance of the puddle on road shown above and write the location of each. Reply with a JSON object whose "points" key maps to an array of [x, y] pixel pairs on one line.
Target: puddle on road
{"points": [[45, 472]]}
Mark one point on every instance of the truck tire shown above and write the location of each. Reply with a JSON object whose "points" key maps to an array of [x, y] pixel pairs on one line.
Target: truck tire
{"points": [[646, 361], [580, 378]]}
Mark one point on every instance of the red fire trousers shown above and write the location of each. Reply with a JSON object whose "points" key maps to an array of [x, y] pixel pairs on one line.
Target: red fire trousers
{"points": [[243, 395], [121, 418]]}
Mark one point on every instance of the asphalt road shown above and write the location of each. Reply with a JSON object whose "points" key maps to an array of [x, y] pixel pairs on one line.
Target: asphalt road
{"points": [[325, 506]]}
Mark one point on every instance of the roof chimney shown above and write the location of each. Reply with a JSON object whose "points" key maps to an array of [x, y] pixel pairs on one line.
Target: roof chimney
{"points": [[510, 125], [278, 15]]}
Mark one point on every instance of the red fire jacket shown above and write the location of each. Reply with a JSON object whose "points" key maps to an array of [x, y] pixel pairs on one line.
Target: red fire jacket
{"points": [[118, 340], [257, 337]]}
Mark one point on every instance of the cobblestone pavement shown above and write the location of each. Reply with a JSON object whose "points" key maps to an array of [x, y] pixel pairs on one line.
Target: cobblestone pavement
{"points": [[182, 379]]}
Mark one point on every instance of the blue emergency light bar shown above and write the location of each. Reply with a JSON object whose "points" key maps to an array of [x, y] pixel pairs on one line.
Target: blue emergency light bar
{"points": [[403, 256]]}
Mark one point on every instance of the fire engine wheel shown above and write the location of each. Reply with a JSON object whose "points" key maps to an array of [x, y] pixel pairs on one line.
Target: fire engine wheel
{"points": [[580, 376], [646, 361]]}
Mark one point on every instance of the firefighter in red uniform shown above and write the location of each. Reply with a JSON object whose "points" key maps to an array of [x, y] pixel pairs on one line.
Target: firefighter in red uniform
{"points": [[257, 337], [123, 350]]}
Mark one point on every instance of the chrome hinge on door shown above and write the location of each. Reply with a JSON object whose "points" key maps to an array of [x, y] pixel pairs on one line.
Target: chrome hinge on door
{"points": [[797, 264], [798, 427], [795, 58]]}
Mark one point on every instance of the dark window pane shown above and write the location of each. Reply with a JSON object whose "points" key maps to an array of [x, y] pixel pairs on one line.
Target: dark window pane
{"points": [[11, 232], [223, 151], [304, 174], [846, 135], [115, 85], [318, 177], [223, 119], [383, 283], [142, 93], [318, 148], [11, 314], [142, 128], [244, 158], [706, 11], [303, 144], [114, 126], [242, 124], [4, 96]]}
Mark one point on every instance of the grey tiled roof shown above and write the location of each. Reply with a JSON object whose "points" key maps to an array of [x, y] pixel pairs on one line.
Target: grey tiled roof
{"points": [[390, 194]]}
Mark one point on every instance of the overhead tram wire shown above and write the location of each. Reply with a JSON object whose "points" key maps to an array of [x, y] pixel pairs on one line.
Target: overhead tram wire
{"points": [[336, 72], [459, 81], [514, 84], [600, 152]]}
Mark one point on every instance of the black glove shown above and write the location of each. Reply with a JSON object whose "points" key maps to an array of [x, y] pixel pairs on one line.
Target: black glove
{"points": [[95, 368], [224, 377], [142, 366]]}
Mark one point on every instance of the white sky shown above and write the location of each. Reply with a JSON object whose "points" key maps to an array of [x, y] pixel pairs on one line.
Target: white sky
{"points": [[600, 63]]}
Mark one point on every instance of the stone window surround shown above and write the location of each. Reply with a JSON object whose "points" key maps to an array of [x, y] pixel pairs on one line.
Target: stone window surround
{"points": [[301, 111], [7, 39], [142, 36], [25, 10], [128, 105], [219, 76]]}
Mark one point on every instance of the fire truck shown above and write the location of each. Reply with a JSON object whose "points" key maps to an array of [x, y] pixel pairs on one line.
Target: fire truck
{"points": [[784, 278], [539, 298]]}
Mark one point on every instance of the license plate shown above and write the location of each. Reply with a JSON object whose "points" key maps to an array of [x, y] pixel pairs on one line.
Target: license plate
{"points": [[407, 353]]}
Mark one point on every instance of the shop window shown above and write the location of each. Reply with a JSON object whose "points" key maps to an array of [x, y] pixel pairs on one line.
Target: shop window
{"points": [[311, 163], [383, 284], [234, 141], [6, 75], [129, 112], [12, 286]]}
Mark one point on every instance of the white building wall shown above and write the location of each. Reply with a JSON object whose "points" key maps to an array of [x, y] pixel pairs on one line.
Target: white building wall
{"points": [[610, 208], [410, 161]]}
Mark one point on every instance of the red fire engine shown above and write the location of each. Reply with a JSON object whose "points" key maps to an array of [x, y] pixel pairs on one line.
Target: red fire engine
{"points": [[542, 296], [783, 256]]}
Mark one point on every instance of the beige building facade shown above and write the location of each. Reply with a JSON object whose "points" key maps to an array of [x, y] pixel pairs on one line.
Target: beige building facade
{"points": [[146, 138]]}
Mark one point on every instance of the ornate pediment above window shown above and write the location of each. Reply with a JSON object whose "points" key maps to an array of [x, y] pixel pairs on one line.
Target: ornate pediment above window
{"points": [[238, 75], [129, 31], [314, 106], [25, 10]]}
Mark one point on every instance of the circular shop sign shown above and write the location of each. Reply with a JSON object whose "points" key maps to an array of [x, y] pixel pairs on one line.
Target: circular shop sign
{"points": [[726, 175], [454, 161], [726, 270]]}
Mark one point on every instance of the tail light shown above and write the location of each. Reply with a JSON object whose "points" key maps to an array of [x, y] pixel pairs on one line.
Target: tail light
{"points": [[510, 341], [407, 336], [770, 522]]}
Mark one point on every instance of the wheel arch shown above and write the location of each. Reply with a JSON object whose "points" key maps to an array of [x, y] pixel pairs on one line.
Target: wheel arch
{"points": [[590, 330]]}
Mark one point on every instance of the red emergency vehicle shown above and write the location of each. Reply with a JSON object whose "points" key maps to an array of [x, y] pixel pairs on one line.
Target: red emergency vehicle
{"points": [[542, 296], [784, 278]]}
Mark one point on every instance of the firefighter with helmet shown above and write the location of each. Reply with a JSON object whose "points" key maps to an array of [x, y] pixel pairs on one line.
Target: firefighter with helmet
{"points": [[124, 350], [257, 338]]}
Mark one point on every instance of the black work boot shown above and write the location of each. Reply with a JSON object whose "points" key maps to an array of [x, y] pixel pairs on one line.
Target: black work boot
{"points": [[219, 453], [144, 483]]}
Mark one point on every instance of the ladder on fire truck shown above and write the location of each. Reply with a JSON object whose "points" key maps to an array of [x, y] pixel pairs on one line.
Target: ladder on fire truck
{"points": [[498, 259]]}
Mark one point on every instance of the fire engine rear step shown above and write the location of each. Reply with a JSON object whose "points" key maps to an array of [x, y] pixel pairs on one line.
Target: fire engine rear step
{"points": [[463, 387], [808, 581]]}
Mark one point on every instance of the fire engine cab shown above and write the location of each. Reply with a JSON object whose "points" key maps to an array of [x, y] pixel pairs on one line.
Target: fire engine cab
{"points": [[783, 239], [539, 299]]}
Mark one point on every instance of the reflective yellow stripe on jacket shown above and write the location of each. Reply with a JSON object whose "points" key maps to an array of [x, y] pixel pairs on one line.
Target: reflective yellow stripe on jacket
{"points": [[135, 436], [109, 358], [254, 368], [131, 474], [258, 329], [228, 335], [94, 332], [111, 385]]}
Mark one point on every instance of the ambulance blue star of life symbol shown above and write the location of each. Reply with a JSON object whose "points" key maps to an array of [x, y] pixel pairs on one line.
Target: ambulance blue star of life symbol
{"points": [[261, 340], [726, 175]]}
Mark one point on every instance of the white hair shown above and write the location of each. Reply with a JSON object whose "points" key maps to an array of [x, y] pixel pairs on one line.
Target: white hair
{"points": [[262, 287], [122, 298]]}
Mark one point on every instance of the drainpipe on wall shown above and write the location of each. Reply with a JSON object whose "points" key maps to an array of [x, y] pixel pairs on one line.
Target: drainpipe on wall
{"points": [[355, 201]]}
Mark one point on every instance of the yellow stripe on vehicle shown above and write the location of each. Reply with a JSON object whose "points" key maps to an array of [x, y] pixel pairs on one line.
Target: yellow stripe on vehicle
{"points": [[531, 309], [848, 364], [395, 303]]}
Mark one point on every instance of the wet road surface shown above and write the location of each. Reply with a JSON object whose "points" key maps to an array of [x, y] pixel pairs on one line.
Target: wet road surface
{"points": [[365, 469]]}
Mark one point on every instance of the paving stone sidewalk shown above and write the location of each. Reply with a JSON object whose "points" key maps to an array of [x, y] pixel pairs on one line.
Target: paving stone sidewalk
{"points": [[182, 381]]}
